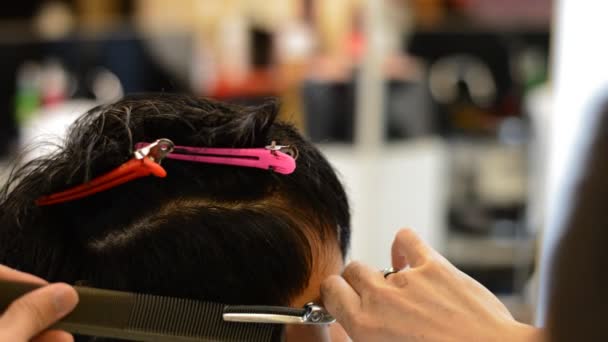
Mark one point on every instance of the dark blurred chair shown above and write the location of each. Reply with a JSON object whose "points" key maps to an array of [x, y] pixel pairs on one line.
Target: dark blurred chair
{"points": [[578, 294]]}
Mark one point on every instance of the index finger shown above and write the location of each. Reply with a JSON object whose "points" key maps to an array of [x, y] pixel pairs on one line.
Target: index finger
{"points": [[340, 300], [8, 273], [409, 250]]}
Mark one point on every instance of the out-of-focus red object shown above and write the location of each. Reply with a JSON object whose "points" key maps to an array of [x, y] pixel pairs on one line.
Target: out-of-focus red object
{"points": [[260, 82]]}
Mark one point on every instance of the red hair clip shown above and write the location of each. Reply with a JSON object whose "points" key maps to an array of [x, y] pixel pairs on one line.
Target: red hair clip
{"points": [[145, 162]]}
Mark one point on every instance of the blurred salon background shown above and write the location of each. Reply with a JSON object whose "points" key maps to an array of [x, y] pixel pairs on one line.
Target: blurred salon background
{"points": [[438, 114]]}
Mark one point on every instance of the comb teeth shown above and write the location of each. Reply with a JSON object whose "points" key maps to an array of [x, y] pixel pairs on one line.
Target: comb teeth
{"points": [[189, 318], [125, 315]]}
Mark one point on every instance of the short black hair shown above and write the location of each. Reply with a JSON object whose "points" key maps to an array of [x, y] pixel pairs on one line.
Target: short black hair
{"points": [[228, 234]]}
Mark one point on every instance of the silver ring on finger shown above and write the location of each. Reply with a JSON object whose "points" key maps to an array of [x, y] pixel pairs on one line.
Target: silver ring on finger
{"points": [[388, 271]]}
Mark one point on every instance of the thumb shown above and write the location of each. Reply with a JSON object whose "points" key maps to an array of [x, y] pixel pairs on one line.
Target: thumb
{"points": [[34, 312]]}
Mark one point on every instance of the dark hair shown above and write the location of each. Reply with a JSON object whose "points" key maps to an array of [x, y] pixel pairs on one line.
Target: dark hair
{"points": [[228, 234]]}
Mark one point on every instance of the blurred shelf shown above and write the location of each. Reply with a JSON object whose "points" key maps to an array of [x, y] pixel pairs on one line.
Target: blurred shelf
{"points": [[489, 252], [460, 26]]}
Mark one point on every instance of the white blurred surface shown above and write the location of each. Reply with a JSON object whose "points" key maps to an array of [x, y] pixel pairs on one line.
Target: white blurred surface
{"points": [[49, 126], [539, 104], [403, 185]]}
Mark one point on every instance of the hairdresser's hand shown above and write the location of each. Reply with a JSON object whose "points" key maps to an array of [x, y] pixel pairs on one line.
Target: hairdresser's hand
{"points": [[27, 318], [428, 300]]}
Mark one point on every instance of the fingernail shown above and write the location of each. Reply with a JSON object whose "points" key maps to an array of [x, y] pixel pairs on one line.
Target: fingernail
{"points": [[64, 300]]}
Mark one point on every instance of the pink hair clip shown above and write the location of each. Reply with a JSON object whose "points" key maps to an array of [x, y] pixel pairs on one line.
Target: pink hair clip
{"points": [[277, 158], [147, 158]]}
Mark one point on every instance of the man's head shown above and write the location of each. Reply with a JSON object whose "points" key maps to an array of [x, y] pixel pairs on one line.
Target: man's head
{"points": [[222, 233]]}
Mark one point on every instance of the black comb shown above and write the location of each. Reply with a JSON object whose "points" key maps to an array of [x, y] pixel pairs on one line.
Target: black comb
{"points": [[132, 316]]}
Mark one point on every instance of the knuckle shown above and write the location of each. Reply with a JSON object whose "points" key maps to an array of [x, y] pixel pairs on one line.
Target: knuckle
{"points": [[373, 299], [399, 279], [34, 312], [373, 285], [440, 268], [428, 270], [394, 298], [433, 264], [377, 296], [353, 266], [353, 271], [432, 261]]}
